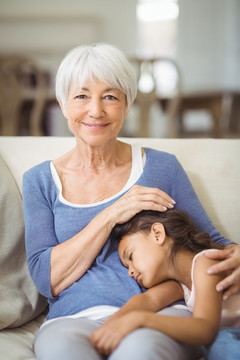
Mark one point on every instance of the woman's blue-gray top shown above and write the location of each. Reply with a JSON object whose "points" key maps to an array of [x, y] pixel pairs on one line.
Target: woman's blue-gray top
{"points": [[50, 222]]}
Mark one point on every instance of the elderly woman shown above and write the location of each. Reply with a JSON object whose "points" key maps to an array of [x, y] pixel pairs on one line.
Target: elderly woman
{"points": [[72, 203]]}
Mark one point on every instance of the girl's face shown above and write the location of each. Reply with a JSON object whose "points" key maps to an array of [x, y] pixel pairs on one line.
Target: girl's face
{"points": [[95, 112], [145, 258]]}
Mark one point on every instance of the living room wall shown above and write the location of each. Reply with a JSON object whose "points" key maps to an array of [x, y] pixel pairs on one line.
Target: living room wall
{"points": [[208, 44], [46, 30]]}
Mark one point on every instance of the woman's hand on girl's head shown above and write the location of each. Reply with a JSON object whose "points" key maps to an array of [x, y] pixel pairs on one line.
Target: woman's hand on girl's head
{"points": [[230, 257], [140, 198]]}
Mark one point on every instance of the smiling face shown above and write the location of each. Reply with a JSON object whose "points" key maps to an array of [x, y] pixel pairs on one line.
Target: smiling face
{"points": [[145, 257], [95, 112]]}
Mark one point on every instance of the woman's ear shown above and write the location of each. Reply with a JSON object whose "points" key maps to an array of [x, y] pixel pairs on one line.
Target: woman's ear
{"points": [[126, 113], [159, 233], [63, 108]]}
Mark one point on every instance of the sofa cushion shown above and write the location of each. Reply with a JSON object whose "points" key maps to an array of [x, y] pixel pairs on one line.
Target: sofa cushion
{"points": [[17, 344], [19, 300]]}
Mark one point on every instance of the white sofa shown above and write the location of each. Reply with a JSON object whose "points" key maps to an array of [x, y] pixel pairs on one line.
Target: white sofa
{"points": [[212, 165]]}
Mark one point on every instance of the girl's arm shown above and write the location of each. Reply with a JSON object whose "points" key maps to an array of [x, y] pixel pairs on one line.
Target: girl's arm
{"points": [[154, 299], [200, 329], [107, 337]]}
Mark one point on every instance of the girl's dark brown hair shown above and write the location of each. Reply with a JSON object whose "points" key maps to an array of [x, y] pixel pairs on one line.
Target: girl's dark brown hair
{"points": [[177, 224]]}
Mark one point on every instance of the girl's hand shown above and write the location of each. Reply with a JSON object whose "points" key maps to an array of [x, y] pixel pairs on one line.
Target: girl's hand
{"points": [[140, 198], [230, 257], [106, 338]]}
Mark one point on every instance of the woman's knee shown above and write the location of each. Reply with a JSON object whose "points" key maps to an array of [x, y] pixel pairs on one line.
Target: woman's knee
{"points": [[148, 344], [66, 339]]}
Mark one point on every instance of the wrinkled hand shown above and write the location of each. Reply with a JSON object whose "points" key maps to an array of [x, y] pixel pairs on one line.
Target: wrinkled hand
{"points": [[140, 198], [230, 257], [106, 338]]}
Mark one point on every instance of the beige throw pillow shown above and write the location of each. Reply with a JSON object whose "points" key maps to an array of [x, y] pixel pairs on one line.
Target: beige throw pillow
{"points": [[19, 300]]}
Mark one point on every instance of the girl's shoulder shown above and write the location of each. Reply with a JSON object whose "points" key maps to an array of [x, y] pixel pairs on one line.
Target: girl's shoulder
{"points": [[201, 261], [200, 267]]}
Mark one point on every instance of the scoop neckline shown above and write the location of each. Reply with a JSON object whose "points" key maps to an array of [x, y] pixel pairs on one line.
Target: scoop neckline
{"points": [[126, 187]]}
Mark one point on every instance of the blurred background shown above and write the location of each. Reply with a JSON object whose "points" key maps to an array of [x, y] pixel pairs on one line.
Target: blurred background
{"points": [[186, 55]]}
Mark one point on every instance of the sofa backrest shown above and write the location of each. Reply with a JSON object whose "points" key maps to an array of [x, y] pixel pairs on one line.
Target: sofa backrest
{"points": [[212, 165]]}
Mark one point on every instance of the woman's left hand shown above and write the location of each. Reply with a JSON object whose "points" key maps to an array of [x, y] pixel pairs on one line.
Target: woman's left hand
{"points": [[230, 257]]}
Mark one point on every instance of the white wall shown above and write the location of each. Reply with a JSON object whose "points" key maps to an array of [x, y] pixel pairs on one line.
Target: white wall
{"points": [[47, 29], [208, 44]]}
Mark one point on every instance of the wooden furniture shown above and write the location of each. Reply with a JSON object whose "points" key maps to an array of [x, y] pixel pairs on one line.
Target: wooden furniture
{"points": [[223, 105], [21, 79]]}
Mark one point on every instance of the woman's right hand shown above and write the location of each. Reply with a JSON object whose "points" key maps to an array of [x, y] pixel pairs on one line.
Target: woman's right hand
{"points": [[140, 198]]}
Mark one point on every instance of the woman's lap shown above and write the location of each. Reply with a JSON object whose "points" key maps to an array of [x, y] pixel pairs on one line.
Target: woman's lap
{"points": [[67, 338]]}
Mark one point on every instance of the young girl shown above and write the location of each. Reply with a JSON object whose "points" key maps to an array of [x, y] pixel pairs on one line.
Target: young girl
{"points": [[157, 247]]}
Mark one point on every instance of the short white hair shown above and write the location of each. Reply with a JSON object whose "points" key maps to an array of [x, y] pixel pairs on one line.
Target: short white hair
{"points": [[103, 61]]}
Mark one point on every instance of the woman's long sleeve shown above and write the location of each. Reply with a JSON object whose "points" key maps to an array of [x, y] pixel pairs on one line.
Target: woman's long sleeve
{"points": [[40, 236]]}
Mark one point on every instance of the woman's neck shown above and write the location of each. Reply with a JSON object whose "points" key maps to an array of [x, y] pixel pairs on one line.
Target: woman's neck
{"points": [[100, 158]]}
